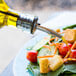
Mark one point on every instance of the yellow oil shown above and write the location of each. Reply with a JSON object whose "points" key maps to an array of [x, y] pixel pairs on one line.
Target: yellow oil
{"points": [[6, 19], [64, 41]]}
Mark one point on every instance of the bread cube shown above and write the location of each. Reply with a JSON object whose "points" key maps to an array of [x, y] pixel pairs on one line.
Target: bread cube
{"points": [[70, 35], [55, 62], [44, 64]]}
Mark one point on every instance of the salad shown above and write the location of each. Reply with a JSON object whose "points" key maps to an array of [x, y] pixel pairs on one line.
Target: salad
{"points": [[53, 56]]}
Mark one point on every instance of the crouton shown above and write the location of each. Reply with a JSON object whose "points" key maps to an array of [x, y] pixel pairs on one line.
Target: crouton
{"points": [[70, 35], [44, 63], [55, 62]]}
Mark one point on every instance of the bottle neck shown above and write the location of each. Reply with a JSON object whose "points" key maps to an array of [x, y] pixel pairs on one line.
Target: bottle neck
{"points": [[22, 21]]}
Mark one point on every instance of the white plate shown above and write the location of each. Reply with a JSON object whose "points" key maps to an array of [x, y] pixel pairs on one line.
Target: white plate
{"points": [[20, 62]]}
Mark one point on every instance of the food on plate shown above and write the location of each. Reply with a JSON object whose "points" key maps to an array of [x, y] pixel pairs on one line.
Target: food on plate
{"points": [[70, 27], [55, 62], [73, 53], [32, 56], [44, 63], [53, 56], [63, 49], [70, 35], [57, 30]]}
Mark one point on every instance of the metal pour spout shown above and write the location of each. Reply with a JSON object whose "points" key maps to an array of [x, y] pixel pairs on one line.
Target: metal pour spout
{"points": [[31, 23], [49, 31]]}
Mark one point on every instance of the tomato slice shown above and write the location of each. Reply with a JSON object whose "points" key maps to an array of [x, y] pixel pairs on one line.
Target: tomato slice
{"points": [[70, 45], [63, 49], [32, 56], [73, 53]]}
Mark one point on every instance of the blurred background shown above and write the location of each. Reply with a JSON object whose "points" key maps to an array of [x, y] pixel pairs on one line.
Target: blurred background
{"points": [[12, 40], [42, 8]]}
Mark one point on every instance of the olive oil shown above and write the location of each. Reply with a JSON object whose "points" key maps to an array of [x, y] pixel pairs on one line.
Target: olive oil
{"points": [[6, 19], [24, 21], [10, 17]]}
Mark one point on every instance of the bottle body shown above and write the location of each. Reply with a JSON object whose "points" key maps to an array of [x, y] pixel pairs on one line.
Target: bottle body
{"points": [[6, 19], [10, 17]]}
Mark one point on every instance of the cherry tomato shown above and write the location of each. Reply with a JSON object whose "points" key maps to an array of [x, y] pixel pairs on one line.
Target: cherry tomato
{"points": [[63, 49], [32, 56], [73, 53], [70, 45]]}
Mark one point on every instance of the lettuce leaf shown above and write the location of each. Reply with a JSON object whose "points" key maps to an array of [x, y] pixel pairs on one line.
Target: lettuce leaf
{"points": [[34, 68], [70, 68], [70, 27], [70, 74], [67, 70]]}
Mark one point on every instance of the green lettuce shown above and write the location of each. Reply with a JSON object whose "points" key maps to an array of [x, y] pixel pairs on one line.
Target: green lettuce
{"points": [[65, 70], [70, 68], [34, 68]]}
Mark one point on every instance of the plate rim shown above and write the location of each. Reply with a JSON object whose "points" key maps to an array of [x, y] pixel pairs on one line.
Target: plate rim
{"points": [[28, 46]]}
